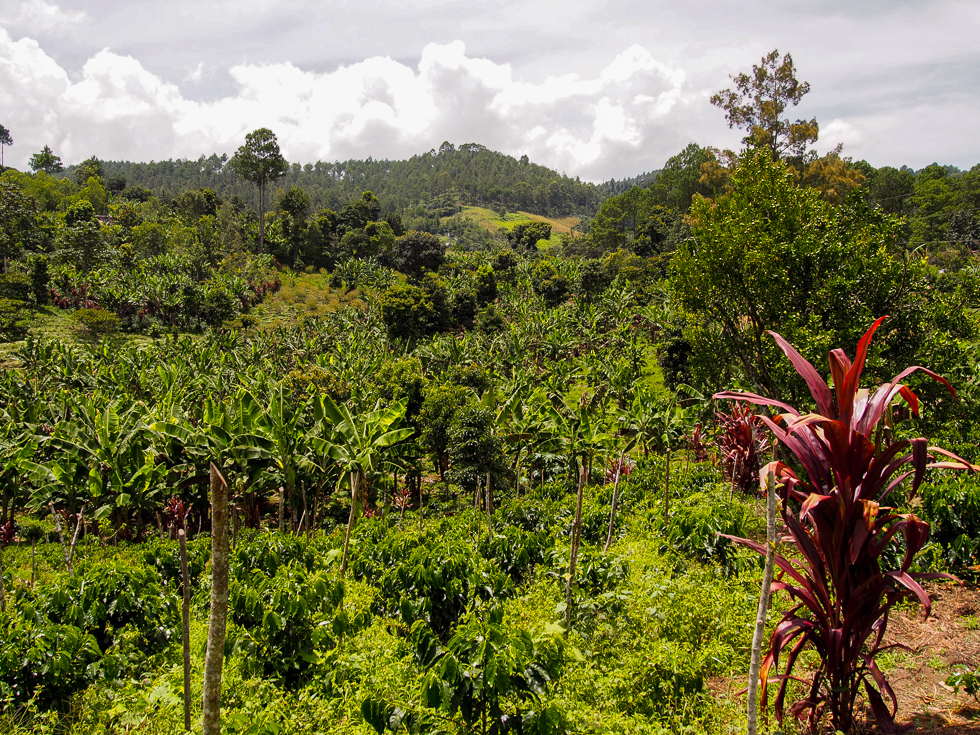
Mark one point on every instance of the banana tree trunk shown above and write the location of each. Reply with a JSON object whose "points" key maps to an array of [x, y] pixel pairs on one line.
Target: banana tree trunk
{"points": [[573, 553], [217, 624], [354, 482], [615, 498]]}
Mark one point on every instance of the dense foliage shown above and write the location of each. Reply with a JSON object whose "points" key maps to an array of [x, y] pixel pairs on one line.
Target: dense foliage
{"points": [[475, 482]]}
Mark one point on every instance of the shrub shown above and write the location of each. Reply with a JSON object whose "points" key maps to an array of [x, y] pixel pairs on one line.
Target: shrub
{"points": [[549, 284], [701, 526], [40, 279], [952, 507], [104, 598], [14, 320], [96, 323], [490, 677], [44, 661], [16, 286], [288, 616], [431, 576], [407, 312], [741, 445], [489, 320]]}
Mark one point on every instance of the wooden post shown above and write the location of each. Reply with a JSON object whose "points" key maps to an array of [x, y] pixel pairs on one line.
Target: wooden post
{"points": [[217, 623], [615, 496], [489, 494], [350, 522], [760, 620], [573, 553], [74, 540], [185, 611], [3, 592]]}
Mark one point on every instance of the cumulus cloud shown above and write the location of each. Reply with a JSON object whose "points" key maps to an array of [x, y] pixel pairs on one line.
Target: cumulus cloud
{"points": [[115, 108], [40, 16]]}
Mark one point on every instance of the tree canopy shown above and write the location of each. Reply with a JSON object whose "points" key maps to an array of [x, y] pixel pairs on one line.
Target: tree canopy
{"points": [[260, 161], [758, 103], [45, 160], [773, 255]]}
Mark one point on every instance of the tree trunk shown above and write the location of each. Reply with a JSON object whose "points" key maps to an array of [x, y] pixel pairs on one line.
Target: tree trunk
{"points": [[760, 620], [217, 624], [282, 509], [61, 536], [185, 611], [489, 493], [573, 553], [262, 217], [302, 520], [74, 540], [33, 563], [615, 497], [3, 591], [517, 471], [667, 488], [350, 522]]}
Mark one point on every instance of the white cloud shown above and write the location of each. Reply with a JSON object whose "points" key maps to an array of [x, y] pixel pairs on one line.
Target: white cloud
{"points": [[380, 107], [39, 16]]}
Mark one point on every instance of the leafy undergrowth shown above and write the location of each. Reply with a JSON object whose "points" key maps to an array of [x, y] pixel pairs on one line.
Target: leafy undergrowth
{"points": [[654, 620], [51, 323]]}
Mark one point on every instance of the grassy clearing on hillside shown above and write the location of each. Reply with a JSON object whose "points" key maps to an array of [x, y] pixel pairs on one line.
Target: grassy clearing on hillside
{"points": [[493, 222], [52, 323], [304, 295]]}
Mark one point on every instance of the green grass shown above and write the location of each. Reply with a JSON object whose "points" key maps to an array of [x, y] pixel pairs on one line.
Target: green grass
{"points": [[302, 296], [50, 322], [493, 222]]}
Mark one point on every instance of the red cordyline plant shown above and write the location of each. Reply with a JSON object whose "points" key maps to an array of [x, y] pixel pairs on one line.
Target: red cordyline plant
{"points": [[741, 443], [840, 527]]}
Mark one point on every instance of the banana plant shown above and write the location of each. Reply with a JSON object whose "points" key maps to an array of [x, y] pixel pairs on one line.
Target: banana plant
{"points": [[282, 424], [361, 443], [227, 434], [580, 428], [660, 425], [112, 442], [523, 423]]}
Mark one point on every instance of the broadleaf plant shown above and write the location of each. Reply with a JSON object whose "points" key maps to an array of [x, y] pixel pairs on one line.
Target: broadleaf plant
{"points": [[840, 530]]}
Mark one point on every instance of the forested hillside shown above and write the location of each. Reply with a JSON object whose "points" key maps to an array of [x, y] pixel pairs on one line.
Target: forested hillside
{"points": [[450, 176]]}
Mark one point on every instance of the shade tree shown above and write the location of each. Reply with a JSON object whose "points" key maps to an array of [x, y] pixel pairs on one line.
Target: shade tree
{"points": [[45, 160], [758, 104], [260, 161]]}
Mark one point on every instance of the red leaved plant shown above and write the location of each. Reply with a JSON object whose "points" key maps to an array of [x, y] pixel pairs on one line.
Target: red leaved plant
{"points": [[741, 445], [840, 528]]}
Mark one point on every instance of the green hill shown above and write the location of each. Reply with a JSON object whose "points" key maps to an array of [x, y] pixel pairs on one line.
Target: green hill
{"points": [[444, 179]]}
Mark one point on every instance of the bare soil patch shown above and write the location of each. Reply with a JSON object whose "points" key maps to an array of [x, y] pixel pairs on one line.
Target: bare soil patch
{"points": [[949, 639]]}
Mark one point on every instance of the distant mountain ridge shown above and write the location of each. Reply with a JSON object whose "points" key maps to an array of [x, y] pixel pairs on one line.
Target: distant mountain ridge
{"points": [[468, 175]]}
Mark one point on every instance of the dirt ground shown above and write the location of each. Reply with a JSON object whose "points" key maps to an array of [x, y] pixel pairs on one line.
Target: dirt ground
{"points": [[948, 640]]}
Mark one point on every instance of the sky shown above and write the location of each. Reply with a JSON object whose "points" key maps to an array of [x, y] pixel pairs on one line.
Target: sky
{"points": [[593, 90]]}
